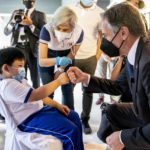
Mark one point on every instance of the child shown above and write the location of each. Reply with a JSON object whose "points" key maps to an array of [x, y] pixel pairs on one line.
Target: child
{"points": [[27, 104]]}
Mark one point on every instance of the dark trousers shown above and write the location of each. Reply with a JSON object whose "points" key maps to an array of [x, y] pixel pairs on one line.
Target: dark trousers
{"points": [[116, 117], [31, 63], [87, 65], [47, 75]]}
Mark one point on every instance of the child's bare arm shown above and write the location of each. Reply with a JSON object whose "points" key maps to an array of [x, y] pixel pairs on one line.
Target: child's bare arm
{"points": [[47, 89]]}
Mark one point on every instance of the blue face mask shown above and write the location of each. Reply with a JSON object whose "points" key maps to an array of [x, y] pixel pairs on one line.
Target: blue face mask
{"points": [[87, 2], [21, 74]]}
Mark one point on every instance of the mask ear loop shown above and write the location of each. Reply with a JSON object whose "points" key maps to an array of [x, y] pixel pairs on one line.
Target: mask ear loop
{"points": [[121, 44], [116, 34]]}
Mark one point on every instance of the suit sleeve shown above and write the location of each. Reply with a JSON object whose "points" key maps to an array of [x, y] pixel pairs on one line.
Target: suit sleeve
{"points": [[136, 138], [9, 28], [99, 85], [42, 21], [146, 81], [35, 29], [139, 138]]}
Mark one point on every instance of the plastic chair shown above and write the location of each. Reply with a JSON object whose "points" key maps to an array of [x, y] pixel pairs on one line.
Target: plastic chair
{"points": [[18, 140]]}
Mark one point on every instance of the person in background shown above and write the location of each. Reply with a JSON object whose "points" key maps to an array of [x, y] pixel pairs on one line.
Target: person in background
{"points": [[85, 58], [25, 25], [59, 42], [30, 114], [129, 122], [105, 66]]}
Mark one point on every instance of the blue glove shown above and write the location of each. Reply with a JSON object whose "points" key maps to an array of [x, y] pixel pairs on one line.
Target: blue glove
{"points": [[63, 61]]}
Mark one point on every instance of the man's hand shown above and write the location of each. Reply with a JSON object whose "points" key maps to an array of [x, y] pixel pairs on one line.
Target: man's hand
{"points": [[63, 109], [63, 79], [114, 142], [76, 75], [13, 17], [106, 57], [26, 21]]}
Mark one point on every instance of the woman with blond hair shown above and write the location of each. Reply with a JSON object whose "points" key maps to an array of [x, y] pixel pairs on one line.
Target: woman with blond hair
{"points": [[59, 41]]}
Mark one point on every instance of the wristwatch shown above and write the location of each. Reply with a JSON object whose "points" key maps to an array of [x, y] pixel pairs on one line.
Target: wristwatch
{"points": [[60, 69]]}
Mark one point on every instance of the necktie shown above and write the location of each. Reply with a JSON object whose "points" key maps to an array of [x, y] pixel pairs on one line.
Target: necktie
{"points": [[130, 71]]}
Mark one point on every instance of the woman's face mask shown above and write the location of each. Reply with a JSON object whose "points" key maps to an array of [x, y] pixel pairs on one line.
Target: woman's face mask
{"points": [[109, 48], [61, 36], [28, 3], [87, 2]]}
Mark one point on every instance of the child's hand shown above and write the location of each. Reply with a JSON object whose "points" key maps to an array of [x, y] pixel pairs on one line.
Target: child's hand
{"points": [[63, 109], [63, 79], [57, 74]]}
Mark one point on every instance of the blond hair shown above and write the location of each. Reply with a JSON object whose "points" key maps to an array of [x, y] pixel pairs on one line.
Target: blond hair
{"points": [[64, 15]]}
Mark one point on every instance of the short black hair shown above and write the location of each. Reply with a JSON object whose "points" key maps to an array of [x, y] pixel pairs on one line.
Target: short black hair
{"points": [[9, 55]]}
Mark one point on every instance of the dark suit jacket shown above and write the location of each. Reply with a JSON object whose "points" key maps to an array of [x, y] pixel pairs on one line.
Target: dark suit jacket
{"points": [[39, 19], [140, 89]]}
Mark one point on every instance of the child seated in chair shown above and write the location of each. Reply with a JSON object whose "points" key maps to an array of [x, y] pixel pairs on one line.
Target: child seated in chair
{"points": [[32, 109]]}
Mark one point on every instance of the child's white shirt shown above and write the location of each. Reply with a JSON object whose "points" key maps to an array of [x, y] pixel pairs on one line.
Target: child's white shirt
{"points": [[16, 95]]}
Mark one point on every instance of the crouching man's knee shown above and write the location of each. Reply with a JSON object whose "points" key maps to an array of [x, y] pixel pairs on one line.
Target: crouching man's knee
{"points": [[105, 128]]}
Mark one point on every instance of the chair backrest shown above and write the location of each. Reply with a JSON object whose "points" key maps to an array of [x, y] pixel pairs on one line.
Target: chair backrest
{"points": [[18, 140]]}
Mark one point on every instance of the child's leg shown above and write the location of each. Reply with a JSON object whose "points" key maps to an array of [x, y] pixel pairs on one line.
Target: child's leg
{"points": [[49, 121], [74, 117]]}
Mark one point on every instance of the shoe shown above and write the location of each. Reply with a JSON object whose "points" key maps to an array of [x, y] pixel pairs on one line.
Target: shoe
{"points": [[86, 127], [100, 101]]}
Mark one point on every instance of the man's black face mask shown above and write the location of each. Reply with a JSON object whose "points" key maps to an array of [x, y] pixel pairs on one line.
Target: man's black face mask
{"points": [[29, 4], [109, 48]]}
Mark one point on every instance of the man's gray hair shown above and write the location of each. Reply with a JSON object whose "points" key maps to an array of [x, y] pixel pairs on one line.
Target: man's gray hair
{"points": [[64, 15], [125, 14]]}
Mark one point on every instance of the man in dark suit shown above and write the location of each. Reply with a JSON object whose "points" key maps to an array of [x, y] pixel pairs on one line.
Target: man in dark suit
{"points": [[25, 26], [124, 125]]}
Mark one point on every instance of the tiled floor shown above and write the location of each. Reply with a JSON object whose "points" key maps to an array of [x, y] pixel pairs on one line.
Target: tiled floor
{"points": [[95, 114], [94, 121]]}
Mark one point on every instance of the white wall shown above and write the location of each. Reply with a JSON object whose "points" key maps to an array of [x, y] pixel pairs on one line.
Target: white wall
{"points": [[47, 6], [4, 40], [67, 2]]}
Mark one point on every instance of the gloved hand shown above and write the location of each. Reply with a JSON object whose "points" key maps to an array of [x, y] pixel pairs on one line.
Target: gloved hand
{"points": [[63, 61]]}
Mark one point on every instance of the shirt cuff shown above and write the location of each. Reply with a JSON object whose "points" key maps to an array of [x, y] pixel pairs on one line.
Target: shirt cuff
{"points": [[120, 138], [32, 27], [86, 84], [10, 26]]}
